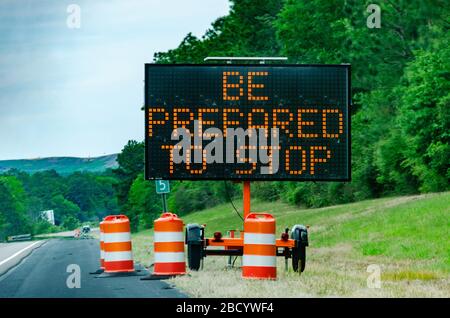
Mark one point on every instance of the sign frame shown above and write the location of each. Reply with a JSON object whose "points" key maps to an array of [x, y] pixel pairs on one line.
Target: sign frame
{"points": [[348, 121]]}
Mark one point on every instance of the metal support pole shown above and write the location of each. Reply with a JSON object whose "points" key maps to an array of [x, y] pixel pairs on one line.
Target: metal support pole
{"points": [[246, 195], [230, 258], [164, 202]]}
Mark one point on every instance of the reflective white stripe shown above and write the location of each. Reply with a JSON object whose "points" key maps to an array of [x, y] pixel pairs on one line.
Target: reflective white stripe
{"points": [[118, 256], [117, 237], [256, 238], [102, 254], [18, 253], [101, 236], [177, 257], [168, 237], [257, 260]]}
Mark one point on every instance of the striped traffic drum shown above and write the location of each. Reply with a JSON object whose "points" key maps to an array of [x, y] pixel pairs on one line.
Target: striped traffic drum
{"points": [[169, 245], [259, 260], [117, 244]]}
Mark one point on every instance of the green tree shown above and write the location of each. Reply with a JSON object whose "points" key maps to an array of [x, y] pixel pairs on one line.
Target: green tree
{"points": [[421, 137], [64, 209], [131, 164], [189, 196], [324, 31], [336, 32], [13, 217], [248, 30], [93, 193], [70, 222], [144, 205]]}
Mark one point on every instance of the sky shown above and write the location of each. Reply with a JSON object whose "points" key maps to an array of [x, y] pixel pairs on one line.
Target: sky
{"points": [[69, 91]]}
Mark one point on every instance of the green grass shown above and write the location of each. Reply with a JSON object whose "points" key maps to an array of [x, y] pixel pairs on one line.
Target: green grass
{"points": [[407, 236], [416, 228]]}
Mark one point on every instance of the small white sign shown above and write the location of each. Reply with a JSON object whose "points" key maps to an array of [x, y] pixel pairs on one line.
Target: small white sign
{"points": [[49, 216]]}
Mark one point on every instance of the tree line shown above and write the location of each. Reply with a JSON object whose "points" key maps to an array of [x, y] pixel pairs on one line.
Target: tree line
{"points": [[76, 198]]}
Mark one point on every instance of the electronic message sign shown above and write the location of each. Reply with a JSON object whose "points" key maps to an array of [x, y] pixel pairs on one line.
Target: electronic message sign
{"points": [[247, 122]]}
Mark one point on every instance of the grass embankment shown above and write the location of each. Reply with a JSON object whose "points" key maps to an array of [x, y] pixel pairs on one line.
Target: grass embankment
{"points": [[408, 237]]}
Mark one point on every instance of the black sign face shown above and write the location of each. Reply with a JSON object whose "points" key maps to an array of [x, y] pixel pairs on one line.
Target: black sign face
{"points": [[296, 118]]}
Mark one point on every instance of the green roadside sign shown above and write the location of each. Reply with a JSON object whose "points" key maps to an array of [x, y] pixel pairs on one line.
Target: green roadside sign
{"points": [[162, 186]]}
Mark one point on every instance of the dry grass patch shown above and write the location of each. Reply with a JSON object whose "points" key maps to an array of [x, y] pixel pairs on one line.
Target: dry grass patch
{"points": [[330, 272], [409, 275]]}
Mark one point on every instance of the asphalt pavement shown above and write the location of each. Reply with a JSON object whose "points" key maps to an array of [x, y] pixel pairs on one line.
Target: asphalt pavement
{"points": [[50, 270], [12, 253]]}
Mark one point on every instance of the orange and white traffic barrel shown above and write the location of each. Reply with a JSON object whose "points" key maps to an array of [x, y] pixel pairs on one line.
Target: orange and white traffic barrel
{"points": [[102, 249], [260, 254], [169, 245], [117, 244]]}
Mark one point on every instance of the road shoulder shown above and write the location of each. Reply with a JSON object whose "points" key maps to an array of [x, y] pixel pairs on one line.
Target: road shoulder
{"points": [[12, 254]]}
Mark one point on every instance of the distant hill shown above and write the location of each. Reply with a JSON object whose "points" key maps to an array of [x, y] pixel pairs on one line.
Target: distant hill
{"points": [[62, 165]]}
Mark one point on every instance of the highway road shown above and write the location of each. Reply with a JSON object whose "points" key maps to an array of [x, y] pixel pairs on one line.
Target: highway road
{"points": [[12, 253], [43, 273]]}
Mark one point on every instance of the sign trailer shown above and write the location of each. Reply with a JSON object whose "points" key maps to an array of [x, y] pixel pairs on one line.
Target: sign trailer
{"points": [[247, 122]]}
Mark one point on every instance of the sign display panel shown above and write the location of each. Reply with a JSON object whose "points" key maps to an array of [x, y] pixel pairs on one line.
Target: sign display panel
{"points": [[247, 122]]}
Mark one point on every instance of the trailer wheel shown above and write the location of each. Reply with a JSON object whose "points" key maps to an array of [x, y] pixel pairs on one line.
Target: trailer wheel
{"points": [[299, 258], [194, 241], [300, 235], [194, 252]]}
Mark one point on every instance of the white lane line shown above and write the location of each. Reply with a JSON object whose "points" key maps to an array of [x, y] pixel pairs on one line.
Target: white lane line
{"points": [[15, 254]]}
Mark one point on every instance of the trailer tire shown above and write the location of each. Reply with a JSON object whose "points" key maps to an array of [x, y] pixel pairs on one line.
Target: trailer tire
{"points": [[299, 258], [195, 254], [300, 235], [194, 241]]}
